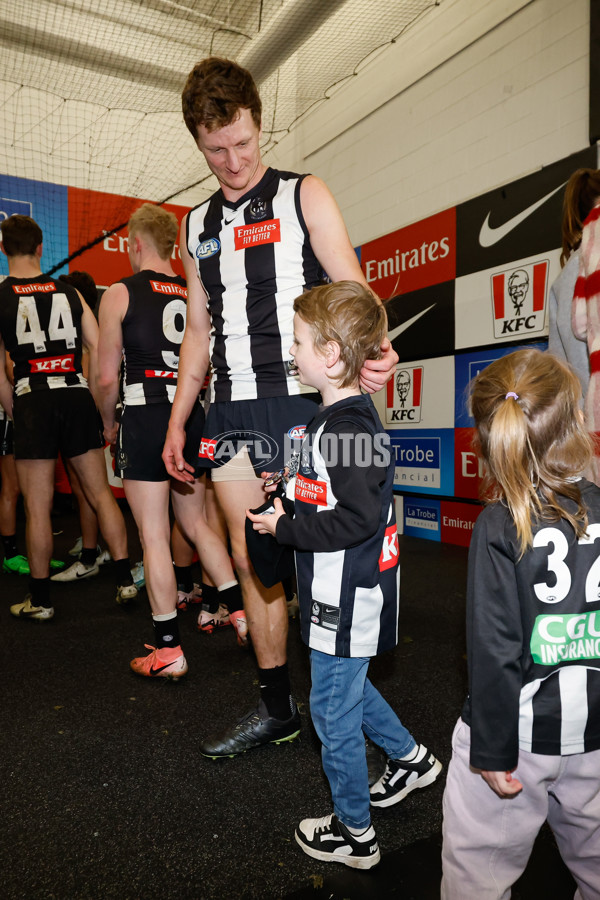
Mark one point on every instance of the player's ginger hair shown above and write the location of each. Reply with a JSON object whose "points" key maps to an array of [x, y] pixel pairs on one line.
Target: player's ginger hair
{"points": [[156, 223]]}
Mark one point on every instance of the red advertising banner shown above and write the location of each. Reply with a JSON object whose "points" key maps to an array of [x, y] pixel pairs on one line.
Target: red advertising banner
{"points": [[468, 468], [92, 214], [457, 521], [413, 257]]}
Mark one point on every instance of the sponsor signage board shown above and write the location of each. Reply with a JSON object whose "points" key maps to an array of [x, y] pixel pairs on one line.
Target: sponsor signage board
{"points": [[517, 220], [46, 203], [412, 257], [457, 521], [507, 304], [424, 460], [421, 324], [422, 518], [420, 395]]}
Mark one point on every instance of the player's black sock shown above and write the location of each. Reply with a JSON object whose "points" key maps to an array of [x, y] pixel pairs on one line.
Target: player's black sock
{"points": [[210, 598], [183, 577], [10, 545], [122, 570], [39, 589], [275, 691], [231, 597], [88, 556], [166, 630]]}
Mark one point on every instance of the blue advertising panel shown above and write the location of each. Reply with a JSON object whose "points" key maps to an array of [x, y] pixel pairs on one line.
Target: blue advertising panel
{"points": [[424, 460], [422, 518], [468, 366], [48, 205]]}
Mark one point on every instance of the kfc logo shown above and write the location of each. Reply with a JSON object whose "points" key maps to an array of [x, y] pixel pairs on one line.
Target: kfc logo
{"points": [[53, 365], [404, 396], [519, 300]]}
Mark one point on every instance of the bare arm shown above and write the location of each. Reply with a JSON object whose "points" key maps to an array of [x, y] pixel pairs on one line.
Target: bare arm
{"points": [[331, 245], [113, 308], [6, 391], [193, 365]]}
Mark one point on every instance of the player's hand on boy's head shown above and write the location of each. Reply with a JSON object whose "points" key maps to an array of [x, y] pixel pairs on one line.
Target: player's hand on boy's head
{"points": [[266, 523], [377, 372], [502, 783]]}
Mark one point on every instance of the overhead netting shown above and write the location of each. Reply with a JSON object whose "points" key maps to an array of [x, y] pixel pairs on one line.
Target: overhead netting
{"points": [[90, 95]]}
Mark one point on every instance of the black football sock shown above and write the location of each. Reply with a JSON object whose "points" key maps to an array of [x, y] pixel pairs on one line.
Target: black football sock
{"points": [[210, 598], [231, 597], [10, 545], [88, 556], [275, 691], [122, 570], [166, 630], [39, 589], [183, 577]]}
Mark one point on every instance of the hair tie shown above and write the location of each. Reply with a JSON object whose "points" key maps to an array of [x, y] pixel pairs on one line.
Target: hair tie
{"points": [[511, 394]]}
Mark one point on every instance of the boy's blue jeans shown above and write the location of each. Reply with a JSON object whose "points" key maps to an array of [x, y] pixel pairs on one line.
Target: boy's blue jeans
{"points": [[343, 705]]}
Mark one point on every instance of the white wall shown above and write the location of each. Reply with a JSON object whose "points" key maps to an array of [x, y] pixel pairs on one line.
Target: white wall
{"points": [[512, 100]]}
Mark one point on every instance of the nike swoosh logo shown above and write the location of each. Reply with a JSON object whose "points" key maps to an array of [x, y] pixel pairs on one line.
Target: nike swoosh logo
{"points": [[393, 334], [489, 236], [156, 671]]}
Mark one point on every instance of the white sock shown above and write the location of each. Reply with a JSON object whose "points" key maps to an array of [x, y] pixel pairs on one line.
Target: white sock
{"points": [[412, 755]]}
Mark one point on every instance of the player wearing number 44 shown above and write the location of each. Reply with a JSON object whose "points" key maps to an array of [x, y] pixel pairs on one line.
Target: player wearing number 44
{"points": [[44, 324], [142, 318]]}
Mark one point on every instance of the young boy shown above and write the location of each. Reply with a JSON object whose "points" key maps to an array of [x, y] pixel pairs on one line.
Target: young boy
{"points": [[346, 542]]}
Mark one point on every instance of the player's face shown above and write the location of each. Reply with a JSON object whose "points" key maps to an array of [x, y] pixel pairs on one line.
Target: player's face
{"points": [[233, 154], [310, 364]]}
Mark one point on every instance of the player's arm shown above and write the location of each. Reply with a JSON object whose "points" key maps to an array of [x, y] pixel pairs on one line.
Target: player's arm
{"points": [[113, 307], [193, 365], [331, 245], [6, 391]]}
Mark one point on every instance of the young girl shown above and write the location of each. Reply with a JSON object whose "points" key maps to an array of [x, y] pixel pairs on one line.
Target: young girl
{"points": [[527, 747]]}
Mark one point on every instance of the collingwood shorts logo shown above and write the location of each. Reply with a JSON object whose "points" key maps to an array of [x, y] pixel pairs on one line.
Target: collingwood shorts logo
{"points": [[208, 248], [405, 396], [519, 300], [122, 459]]}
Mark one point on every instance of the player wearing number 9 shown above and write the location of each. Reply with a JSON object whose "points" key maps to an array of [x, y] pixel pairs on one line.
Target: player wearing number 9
{"points": [[527, 746]]}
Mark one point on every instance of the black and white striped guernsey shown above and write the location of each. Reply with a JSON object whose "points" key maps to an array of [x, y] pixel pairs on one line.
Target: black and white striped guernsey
{"points": [[153, 328], [253, 258], [40, 323], [533, 637], [344, 533]]}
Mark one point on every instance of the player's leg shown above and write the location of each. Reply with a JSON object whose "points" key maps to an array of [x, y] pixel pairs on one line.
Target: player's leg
{"points": [[189, 509], [36, 478], [183, 552], [276, 718], [86, 565], [9, 495]]}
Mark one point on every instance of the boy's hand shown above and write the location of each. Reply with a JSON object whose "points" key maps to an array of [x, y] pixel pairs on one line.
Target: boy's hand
{"points": [[267, 522], [502, 783]]}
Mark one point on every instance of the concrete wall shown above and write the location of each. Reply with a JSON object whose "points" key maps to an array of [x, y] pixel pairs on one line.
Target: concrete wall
{"points": [[494, 90]]}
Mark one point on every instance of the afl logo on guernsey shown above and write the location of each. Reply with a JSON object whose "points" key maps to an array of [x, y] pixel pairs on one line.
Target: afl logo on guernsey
{"points": [[296, 433], [208, 248]]}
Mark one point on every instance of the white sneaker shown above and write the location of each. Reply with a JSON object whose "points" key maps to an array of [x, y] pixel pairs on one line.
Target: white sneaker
{"points": [[103, 556], [187, 599], [26, 611], [77, 546], [209, 621], [76, 572]]}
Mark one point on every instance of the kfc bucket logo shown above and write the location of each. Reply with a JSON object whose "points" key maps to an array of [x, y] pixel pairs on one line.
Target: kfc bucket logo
{"points": [[404, 396], [519, 300]]}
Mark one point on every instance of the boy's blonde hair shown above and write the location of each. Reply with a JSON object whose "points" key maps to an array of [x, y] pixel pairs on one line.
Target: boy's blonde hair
{"points": [[349, 314], [532, 438], [155, 223]]}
